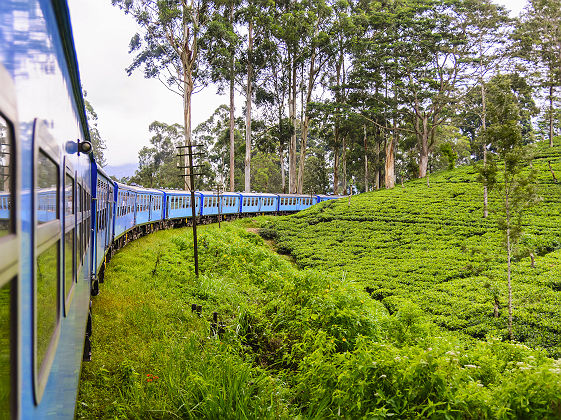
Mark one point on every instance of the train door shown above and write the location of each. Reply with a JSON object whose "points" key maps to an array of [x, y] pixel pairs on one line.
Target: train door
{"points": [[9, 248]]}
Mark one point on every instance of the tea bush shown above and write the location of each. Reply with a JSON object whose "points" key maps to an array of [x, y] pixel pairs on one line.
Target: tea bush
{"points": [[432, 247]]}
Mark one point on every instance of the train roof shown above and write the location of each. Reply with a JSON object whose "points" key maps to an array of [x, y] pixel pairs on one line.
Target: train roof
{"points": [[222, 193], [178, 192], [257, 194], [297, 195]]}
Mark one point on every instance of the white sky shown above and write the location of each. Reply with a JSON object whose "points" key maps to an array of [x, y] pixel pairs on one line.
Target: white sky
{"points": [[127, 105]]}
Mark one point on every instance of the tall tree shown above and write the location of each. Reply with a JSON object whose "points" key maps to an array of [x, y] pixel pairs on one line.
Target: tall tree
{"points": [[538, 39], [222, 54], [168, 48], [317, 52]]}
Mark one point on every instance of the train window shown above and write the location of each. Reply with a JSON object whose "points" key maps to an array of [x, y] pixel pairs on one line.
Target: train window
{"points": [[69, 234], [47, 182], [6, 165], [48, 249]]}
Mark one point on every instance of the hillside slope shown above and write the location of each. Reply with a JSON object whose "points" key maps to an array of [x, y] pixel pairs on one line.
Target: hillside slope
{"points": [[432, 247]]}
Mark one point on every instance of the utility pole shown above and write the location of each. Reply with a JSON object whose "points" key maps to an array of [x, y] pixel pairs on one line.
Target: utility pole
{"points": [[188, 169]]}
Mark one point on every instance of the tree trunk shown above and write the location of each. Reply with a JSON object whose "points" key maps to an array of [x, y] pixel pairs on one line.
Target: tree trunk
{"points": [[283, 175], [377, 172], [232, 109], [551, 115], [423, 140], [344, 159], [389, 178], [247, 176], [365, 160], [187, 93], [484, 127], [232, 130], [292, 145], [336, 168], [302, 162]]}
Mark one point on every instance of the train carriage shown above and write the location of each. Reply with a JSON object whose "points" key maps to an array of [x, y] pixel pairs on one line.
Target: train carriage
{"points": [[295, 202], [102, 224], [250, 202], [321, 197], [125, 208], [178, 204], [230, 203], [148, 206], [214, 204]]}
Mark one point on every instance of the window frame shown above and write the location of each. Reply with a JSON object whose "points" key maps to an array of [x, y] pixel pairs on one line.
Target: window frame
{"points": [[70, 225], [44, 237]]}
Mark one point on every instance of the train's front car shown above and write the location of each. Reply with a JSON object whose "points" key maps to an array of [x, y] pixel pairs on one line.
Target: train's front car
{"points": [[45, 212]]}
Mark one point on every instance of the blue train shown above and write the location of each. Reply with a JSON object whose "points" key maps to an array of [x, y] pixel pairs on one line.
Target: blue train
{"points": [[62, 217]]}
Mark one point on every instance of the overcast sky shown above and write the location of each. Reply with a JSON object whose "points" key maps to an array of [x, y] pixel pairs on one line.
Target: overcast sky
{"points": [[127, 105]]}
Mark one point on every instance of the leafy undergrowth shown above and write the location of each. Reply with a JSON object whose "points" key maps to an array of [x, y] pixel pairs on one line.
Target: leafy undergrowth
{"points": [[430, 246], [289, 343]]}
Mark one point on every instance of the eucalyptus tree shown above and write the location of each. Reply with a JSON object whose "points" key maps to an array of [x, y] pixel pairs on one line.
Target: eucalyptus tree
{"points": [[435, 53], [376, 77], [538, 41], [342, 32], [222, 53], [317, 52], [290, 23], [167, 46], [489, 26], [258, 46]]}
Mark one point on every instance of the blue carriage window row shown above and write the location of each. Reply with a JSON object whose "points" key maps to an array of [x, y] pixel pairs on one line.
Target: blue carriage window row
{"points": [[47, 184], [6, 164]]}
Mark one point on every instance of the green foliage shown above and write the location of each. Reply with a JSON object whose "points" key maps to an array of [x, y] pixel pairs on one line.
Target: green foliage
{"points": [[295, 343], [434, 249]]}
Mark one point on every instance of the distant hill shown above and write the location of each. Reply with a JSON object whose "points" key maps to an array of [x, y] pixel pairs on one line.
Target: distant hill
{"points": [[120, 171]]}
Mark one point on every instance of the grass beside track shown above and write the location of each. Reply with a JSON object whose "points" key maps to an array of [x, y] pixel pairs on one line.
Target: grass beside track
{"points": [[296, 344]]}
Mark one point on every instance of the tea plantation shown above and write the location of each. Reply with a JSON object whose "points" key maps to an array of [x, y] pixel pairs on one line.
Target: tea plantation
{"points": [[431, 246], [386, 309]]}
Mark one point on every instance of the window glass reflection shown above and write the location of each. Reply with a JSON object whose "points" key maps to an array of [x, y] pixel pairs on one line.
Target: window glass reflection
{"points": [[68, 260], [46, 308], [47, 181], [68, 195], [6, 214]]}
